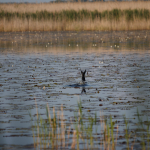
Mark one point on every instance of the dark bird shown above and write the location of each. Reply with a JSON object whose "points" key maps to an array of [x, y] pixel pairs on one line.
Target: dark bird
{"points": [[83, 75]]}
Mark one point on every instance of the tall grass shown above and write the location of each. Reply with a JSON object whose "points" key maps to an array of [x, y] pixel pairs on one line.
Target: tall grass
{"points": [[56, 132], [67, 20], [75, 16], [72, 15]]}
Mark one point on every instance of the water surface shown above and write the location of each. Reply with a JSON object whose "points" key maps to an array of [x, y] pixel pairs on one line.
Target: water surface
{"points": [[39, 71]]}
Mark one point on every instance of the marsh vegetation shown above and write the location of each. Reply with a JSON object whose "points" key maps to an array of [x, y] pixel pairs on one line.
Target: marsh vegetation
{"points": [[64, 17], [84, 131]]}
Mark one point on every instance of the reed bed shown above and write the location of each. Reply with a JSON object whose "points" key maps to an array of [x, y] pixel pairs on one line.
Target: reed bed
{"points": [[56, 132], [68, 20], [98, 16]]}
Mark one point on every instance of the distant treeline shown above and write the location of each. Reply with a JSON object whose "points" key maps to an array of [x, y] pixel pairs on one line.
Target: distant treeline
{"points": [[73, 15]]}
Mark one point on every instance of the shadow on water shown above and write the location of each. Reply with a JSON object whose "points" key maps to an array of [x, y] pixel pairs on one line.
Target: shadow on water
{"points": [[76, 85], [45, 66]]}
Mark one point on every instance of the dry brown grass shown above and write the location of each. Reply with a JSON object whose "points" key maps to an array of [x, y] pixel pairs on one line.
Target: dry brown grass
{"points": [[52, 7], [16, 24], [46, 25]]}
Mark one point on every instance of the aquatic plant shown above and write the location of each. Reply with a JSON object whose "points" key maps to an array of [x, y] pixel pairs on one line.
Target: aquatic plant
{"points": [[81, 131], [56, 132]]}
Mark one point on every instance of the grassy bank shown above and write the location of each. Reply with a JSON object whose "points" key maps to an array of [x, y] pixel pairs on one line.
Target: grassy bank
{"points": [[75, 19]]}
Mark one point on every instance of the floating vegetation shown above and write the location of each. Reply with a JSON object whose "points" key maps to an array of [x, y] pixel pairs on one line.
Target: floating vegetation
{"points": [[85, 132]]}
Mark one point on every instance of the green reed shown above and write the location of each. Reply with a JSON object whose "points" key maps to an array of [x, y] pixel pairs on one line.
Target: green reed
{"points": [[127, 135], [144, 128], [54, 132], [57, 132], [72, 15]]}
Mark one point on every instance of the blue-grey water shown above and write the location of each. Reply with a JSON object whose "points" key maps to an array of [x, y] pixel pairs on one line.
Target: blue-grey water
{"points": [[46, 71]]}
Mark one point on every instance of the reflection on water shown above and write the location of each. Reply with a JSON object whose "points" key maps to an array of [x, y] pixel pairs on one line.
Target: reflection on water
{"points": [[117, 75]]}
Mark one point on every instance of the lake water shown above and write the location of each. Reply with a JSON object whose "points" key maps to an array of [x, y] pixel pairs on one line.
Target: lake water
{"points": [[39, 67]]}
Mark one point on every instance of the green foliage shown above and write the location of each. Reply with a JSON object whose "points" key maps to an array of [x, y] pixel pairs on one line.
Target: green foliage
{"points": [[53, 132], [71, 15], [129, 15]]}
